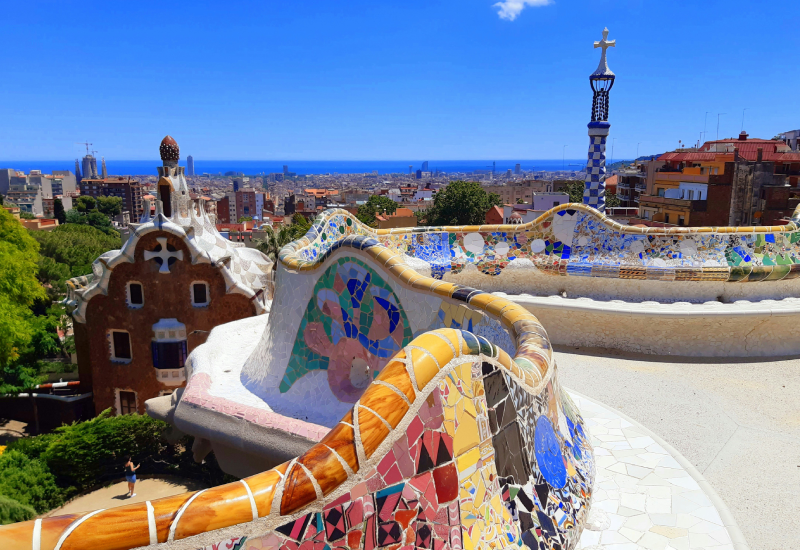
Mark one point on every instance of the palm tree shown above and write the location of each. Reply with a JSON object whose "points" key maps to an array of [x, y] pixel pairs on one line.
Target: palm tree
{"points": [[273, 241]]}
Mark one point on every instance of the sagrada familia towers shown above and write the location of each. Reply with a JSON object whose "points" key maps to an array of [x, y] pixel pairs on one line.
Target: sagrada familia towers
{"points": [[602, 80]]}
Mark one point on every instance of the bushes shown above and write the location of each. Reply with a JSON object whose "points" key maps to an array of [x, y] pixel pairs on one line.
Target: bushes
{"points": [[12, 511], [28, 481], [45, 470]]}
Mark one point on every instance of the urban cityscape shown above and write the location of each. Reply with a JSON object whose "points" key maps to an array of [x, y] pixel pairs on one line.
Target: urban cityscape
{"points": [[333, 344]]}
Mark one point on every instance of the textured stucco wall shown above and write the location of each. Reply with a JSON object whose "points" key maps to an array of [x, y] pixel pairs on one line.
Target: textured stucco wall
{"points": [[522, 277], [742, 329]]}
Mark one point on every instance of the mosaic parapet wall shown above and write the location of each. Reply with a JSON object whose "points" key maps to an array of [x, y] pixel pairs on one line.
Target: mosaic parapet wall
{"points": [[578, 241], [457, 442]]}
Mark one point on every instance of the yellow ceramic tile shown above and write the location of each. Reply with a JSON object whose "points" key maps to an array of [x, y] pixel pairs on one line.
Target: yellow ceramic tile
{"points": [[466, 435], [482, 300], [445, 289], [477, 532], [469, 408], [496, 307], [436, 347], [425, 368], [450, 427], [468, 460]]}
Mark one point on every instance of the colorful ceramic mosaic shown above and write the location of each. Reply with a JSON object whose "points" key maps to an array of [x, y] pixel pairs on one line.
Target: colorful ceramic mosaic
{"points": [[353, 318], [483, 464], [575, 240]]}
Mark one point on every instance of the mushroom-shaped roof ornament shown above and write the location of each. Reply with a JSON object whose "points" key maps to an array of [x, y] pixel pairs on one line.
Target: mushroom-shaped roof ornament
{"points": [[170, 152]]}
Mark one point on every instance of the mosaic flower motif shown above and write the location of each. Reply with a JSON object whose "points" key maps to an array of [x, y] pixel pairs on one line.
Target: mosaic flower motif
{"points": [[353, 325]]}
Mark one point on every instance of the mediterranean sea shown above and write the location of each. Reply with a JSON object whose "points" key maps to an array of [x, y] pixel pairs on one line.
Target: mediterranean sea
{"points": [[303, 167]]}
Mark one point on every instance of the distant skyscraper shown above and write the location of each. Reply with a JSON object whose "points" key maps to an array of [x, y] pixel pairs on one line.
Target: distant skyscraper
{"points": [[425, 166], [602, 80], [237, 182], [104, 171], [517, 169], [419, 174], [508, 173], [410, 169], [77, 171], [494, 167], [190, 165], [285, 169]]}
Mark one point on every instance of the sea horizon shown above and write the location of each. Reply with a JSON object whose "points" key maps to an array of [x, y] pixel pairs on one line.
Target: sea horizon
{"points": [[306, 167]]}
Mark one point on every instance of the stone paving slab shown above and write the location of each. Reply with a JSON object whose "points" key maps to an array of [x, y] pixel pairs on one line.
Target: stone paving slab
{"points": [[646, 494]]}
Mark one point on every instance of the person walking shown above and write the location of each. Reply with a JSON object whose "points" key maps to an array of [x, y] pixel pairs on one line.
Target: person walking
{"points": [[130, 475]]}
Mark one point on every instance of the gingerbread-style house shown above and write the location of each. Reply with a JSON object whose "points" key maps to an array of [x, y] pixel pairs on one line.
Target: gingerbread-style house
{"points": [[146, 306]]}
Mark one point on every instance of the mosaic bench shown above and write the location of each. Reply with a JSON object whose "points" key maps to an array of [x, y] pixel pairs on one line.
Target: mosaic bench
{"points": [[439, 419], [433, 411]]}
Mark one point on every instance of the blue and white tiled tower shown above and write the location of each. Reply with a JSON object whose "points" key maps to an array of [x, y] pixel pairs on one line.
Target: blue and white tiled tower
{"points": [[601, 81]]}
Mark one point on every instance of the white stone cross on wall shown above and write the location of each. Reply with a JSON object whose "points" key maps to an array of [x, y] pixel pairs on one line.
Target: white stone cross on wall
{"points": [[605, 44], [164, 254]]}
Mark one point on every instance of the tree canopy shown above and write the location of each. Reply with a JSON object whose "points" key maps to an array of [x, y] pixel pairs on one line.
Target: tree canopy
{"points": [[376, 204], [575, 189], [19, 291], [460, 203], [71, 249], [95, 212]]}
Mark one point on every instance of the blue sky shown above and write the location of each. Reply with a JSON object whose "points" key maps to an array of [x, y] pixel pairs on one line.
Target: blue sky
{"points": [[438, 79]]}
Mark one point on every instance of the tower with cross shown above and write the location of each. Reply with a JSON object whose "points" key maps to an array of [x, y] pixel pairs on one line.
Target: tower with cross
{"points": [[601, 81]]}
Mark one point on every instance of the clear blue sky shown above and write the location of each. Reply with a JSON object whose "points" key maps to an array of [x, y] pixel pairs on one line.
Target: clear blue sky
{"points": [[438, 79]]}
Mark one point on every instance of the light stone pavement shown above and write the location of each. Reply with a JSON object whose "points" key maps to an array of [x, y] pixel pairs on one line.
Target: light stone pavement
{"points": [[736, 421], [646, 495]]}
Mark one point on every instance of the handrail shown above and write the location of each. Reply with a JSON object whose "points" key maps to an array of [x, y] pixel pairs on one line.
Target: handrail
{"points": [[281, 493]]}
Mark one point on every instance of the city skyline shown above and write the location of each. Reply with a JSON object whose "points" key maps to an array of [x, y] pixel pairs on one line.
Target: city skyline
{"points": [[369, 89]]}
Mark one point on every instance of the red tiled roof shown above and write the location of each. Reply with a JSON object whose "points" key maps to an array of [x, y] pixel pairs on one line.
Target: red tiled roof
{"points": [[773, 150]]}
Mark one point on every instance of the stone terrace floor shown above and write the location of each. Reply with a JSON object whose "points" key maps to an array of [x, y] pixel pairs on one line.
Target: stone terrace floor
{"points": [[737, 422]]}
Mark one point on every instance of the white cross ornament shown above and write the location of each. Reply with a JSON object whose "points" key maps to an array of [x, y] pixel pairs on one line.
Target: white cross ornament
{"points": [[164, 254], [605, 43]]}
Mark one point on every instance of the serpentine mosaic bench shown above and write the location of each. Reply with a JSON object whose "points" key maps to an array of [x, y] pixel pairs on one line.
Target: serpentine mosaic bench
{"points": [[444, 424], [431, 411]]}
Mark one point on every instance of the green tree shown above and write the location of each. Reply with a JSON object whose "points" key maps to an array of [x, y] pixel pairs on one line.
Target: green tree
{"points": [[28, 481], [376, 204], [460, 203], [85, 204], [26, 216], [245, 219], [19, 291], [273, 241], [276, 239], [575, 191], [12, 511], [109, 206], [74, 246], [58, 211], [94, 219]]}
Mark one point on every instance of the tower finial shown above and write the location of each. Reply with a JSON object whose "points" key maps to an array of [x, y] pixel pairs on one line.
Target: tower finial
{"points": [[170, 152], [602, 68]]}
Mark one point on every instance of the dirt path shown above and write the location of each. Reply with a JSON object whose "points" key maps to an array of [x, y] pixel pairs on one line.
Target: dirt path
{"points": [[115, 495]]}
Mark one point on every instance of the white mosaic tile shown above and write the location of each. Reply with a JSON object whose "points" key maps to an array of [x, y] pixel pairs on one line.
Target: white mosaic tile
{"points": [[651, 502]]}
